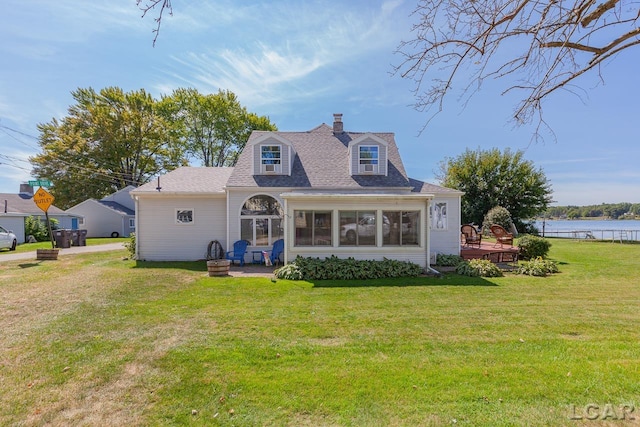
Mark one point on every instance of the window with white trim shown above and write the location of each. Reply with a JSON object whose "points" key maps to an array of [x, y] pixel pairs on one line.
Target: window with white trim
{"points": [[271, 158], [368, 159], [132, 223], [358, 228], [404, 228], [261, 220], [313, 228], [184, 216], [439, 220]]}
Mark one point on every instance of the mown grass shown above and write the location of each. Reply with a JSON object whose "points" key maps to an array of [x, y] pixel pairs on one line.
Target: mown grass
{"points": [[92, 339]]}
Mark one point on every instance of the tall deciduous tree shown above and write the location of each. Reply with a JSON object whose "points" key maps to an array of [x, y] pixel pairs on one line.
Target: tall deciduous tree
{"points": [[214, 128], [542, 45], [491, 178], [109, 140]]}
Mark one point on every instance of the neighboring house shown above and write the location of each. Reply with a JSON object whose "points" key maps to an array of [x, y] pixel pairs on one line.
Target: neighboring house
{"points": [[15, 208], [111, 216], [324, 191]]}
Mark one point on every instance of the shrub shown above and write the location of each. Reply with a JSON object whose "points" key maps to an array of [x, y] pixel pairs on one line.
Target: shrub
{"points": [[38, 228], [533, 247], [497, 215], [131, 245], [537, 267], [448, 260], [478, 267], [288, 272], [334, 268]]}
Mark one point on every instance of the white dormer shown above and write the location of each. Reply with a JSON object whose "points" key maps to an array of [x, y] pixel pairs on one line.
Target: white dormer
{"points": [[368, 155], [272, 155]]}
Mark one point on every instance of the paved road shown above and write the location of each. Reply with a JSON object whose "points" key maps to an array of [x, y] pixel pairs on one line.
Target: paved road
{"points": [[12, 256]]}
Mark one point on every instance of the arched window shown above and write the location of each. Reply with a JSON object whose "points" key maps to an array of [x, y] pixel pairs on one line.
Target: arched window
{"points": [[261, 220]]}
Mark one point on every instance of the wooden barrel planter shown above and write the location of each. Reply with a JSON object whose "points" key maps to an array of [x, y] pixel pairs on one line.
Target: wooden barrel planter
{"points": [[46, 254], [218, 267]]}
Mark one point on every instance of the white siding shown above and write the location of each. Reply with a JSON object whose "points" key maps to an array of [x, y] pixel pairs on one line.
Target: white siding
{"points": [[100, 221], [15, 224], [447, 241], [122, 197], [161, 239]]}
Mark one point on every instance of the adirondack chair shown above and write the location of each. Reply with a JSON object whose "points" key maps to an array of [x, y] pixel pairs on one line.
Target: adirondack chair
{"points": [[471, 235], [503, 237], [238, 252], [276, 252]]}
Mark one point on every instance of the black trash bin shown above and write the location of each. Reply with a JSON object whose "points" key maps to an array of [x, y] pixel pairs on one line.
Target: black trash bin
{"points": [[74, 237], [62, 238], [82, 237]]}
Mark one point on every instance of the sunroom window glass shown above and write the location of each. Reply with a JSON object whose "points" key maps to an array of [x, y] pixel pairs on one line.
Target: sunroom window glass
{"points": [[404, 228], [357, 228], [313, 228]]}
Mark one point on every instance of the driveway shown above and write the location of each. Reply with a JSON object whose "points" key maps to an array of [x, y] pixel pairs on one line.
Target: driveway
{"points": [[12, 256]]}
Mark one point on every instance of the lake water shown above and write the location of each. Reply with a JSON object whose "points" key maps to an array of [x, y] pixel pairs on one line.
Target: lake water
{"points": [[599, 229]]}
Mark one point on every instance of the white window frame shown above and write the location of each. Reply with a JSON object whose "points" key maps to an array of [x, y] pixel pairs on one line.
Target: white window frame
{"points": [[265, 165], [182, 212], [132, 223], [439, 218], [368, 168]]}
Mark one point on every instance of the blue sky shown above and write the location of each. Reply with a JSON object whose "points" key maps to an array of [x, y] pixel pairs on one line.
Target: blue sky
{"points": [[298, 63]]}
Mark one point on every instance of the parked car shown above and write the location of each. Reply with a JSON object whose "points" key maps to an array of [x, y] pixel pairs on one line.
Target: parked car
{"points": [[8, 239], [366, 227]]}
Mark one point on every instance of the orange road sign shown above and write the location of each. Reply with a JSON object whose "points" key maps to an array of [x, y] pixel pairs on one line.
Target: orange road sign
{"points": [[43, 199]]}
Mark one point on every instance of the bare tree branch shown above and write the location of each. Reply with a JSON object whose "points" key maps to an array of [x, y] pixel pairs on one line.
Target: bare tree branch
{"points": [[149, 5], [544, 44]]}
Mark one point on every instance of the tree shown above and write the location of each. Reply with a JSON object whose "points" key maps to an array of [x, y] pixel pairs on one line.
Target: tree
{"points": [[109, 140], [490, 178], [561, 40], [214, 128]]}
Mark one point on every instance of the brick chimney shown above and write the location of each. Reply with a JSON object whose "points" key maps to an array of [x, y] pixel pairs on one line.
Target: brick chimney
{"points": [[337, 123]]}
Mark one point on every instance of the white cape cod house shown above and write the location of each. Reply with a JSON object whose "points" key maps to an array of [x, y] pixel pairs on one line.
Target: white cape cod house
{"points": [[325, 192]]}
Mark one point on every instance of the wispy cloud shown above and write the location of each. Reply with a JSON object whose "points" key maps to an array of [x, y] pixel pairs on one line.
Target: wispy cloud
{"points": [[55, 24], [273, 51]]}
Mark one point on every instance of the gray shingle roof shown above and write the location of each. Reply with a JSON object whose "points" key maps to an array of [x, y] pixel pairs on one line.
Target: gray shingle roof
{"points": [[23, 204], [117, 207], [321, 162], [425, 187], [209, 180]]}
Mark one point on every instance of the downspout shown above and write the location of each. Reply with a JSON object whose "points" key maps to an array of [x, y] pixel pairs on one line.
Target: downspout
{"points": [[137, 230], [286, 230], [226, 190], [428, 245]]}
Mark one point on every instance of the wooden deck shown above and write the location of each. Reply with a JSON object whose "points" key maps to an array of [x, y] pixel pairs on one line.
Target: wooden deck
{"points": [[486, 248]]}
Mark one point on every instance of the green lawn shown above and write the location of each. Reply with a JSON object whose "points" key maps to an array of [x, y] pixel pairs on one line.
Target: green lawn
{"points": [[95, 340]]}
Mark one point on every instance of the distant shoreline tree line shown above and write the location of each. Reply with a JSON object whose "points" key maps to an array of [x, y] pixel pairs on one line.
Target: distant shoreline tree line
{"points": [[605, 210]]}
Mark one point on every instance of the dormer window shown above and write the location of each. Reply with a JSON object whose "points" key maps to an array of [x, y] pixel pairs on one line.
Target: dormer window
{"points": [[368, 159], [271, 158]]}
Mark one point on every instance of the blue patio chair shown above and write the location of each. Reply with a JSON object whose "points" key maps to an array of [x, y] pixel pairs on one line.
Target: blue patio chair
{"points": [[238, 252], [276, 251]]}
